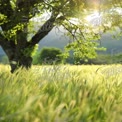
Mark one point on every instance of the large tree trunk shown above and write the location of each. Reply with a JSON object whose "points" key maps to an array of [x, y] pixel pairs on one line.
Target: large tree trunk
{"points": [[20, 61], [16, 59], [19, 54]]}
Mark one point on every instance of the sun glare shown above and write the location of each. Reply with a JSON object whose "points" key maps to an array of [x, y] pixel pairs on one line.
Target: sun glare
{"points": [[95, 18]]}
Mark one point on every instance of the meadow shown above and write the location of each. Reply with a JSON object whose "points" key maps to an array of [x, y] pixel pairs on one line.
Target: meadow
{"points": [[61, 93]]}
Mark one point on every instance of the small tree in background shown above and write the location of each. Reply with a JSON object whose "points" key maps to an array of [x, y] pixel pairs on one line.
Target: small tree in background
{"points": [[50, 56]]}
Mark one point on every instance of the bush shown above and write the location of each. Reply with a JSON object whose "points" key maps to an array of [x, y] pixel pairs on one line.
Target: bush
{"points": [[50, 56]]}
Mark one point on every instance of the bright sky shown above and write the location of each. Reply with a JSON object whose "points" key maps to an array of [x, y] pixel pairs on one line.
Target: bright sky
{"points": [[95, 18]]}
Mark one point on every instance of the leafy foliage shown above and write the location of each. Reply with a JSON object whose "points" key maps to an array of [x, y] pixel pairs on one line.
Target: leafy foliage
{"points": [[50, 56], [83, 50]]}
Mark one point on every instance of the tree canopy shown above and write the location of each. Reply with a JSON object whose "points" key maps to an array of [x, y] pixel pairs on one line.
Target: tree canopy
{"points": [[16, 17]]}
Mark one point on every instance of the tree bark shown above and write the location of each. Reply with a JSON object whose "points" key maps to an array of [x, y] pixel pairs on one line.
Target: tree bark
{"points": [[15, 52], [16, 59], [23, 62]]}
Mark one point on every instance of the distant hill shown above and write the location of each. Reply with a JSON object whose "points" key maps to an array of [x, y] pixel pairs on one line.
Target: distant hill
{"points": [[57, 39], [113, 45], [54, 39]]}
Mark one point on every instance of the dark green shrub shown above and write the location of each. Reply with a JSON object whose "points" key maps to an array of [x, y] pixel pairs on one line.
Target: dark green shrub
{"points": [[50, 56]]}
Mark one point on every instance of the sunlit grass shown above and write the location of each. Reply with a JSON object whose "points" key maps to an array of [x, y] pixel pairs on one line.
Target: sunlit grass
{"points": [[61, 94]]}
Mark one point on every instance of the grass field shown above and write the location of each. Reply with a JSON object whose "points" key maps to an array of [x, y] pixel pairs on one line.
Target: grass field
{"points": [[61, 94]]}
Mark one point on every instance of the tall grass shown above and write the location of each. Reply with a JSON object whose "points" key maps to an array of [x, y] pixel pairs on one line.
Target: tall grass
{"points": [[60, 94]]}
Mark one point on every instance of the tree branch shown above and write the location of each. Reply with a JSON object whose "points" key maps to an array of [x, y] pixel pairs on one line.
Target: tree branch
{"points": [[43, 31], [27, 3], [5, 8], [47, 26]]}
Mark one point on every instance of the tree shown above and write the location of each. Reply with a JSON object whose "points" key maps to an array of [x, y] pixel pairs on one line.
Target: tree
{"points": [[16, 16], [50, 56]]}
